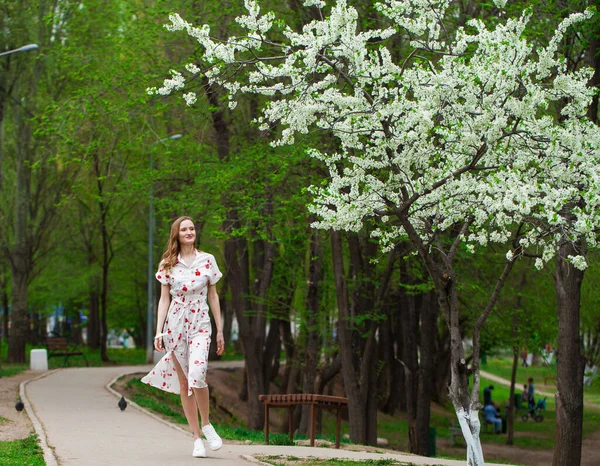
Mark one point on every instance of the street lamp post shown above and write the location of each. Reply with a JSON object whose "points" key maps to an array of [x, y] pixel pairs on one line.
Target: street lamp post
{"points": [[150, 317], [25, 48]]}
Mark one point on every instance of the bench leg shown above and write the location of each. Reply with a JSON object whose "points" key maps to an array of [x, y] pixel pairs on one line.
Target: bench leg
{"points": [[266, 423], [338, 427], [291, 423], [313, 420]]}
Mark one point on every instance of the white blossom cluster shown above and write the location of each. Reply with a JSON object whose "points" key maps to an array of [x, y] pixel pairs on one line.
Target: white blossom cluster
{"points": [[460, 129]]}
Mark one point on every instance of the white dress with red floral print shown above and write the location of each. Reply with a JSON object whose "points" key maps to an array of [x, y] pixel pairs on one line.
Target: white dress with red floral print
{"points": [[187, 327]]}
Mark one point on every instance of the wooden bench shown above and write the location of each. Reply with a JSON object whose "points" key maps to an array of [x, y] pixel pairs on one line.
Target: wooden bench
{"points": [[58, 346], [290, 401]]}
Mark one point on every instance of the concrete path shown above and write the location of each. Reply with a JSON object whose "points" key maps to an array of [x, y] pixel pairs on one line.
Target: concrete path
{"points": [[79, 418]]}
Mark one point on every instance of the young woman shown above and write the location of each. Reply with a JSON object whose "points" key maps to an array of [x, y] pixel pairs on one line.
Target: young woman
{"points": [[183, 328]]}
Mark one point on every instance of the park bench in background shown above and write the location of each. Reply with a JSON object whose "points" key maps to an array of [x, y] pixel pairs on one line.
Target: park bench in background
{"points": [[290, 401], [59, 346]]}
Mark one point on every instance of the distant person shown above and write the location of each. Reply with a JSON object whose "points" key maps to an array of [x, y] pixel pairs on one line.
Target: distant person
{"points": [[183, 328], [491, 414], [487, 395], [524, 358], [531, 393], [525, 395]]}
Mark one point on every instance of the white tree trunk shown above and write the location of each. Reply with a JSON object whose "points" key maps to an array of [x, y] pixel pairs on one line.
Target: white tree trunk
{"points": [[470, 426]]}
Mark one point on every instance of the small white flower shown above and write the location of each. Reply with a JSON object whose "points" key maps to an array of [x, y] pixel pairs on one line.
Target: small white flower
{"points": [[190, 98], [539, 264], [578, 262]]}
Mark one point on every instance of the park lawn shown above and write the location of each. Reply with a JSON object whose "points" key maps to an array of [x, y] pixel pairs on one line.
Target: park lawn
{"points": [[169, 405], [502, 367], [591, 394], [281, 460], [22, 452], [117, 356], [8, 370], [530, 434]]}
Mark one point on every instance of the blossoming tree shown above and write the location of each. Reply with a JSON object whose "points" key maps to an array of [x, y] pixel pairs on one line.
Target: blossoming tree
{"points": [[452, 142]]}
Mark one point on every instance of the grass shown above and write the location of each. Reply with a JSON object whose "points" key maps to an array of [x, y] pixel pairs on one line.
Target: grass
{"points": [[118, 356], [502, 367], [169, 405], [591, 394], [280, 460], [528, 434], [8, 370], [25, 452]]}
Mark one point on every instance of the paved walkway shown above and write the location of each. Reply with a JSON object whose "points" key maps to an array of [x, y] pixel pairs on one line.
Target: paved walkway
{"points": [[77, 416]]}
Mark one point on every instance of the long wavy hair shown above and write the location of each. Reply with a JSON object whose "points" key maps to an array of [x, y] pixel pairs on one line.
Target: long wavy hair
{"points": [[169, 257]]}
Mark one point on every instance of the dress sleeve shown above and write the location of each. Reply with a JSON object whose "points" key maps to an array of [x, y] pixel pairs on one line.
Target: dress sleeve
{"points": [[162, 276], [215, 273]]}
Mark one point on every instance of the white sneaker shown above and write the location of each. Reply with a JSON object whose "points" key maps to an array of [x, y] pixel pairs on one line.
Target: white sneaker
{"points": [[214, 441], [199, 450]]}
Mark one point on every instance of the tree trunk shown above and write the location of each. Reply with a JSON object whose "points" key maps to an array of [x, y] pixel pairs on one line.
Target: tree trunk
{"points": [[356, 405], [19, 318], [226, 313], [21, 255], [441, 361], [103, 316], [411, 366], [93, 327], [106, 259], [271, 353], [235, 249], [511, 400], [570, 364], [426, 369], [5, 307], [513, 377], [288, 347], [312, 342]]}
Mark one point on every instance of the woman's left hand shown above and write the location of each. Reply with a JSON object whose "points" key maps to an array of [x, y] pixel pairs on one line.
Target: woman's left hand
{"points": [[220, 343]]}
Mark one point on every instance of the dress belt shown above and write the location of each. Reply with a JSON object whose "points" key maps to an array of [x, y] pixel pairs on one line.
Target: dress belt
{"points": [[192, 300]]}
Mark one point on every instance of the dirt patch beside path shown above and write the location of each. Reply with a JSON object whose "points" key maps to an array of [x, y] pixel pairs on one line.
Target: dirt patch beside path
{"points": [[18, 425]]}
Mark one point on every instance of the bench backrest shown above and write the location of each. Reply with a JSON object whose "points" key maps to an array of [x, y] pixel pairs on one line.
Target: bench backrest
{"points": [[57, 344]]}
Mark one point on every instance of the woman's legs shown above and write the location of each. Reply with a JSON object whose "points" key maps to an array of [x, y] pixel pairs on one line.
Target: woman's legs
{"points": [[188, 402], [202, 400]]}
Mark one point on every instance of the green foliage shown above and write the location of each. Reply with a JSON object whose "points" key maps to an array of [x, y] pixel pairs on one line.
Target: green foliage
{"points": [[310, 461], [22, 452]]}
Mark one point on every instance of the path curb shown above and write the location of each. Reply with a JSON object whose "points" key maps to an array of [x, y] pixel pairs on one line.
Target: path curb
{"points": [[108, 387], [49, 456]]}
